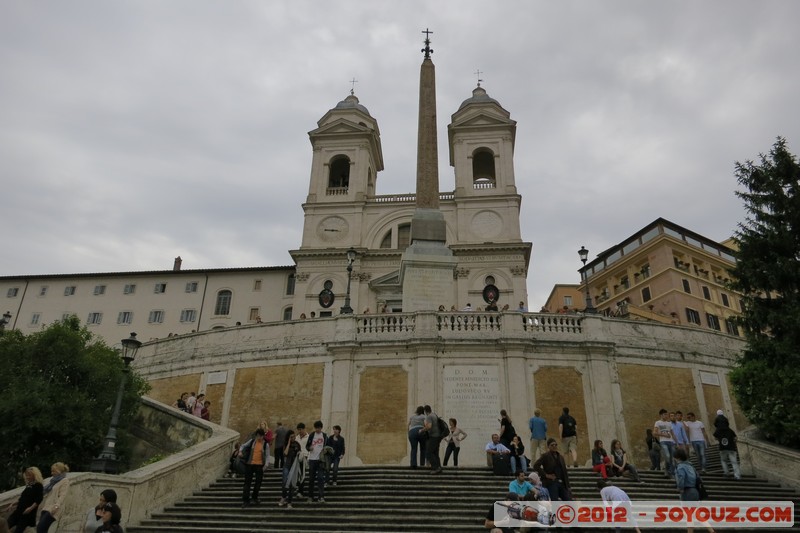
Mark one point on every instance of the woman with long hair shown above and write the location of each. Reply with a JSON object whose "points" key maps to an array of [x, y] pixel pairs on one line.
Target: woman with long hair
{"points": [[453, 442], [620, 463], [600, 459], [54, 494], [94, 518], [112, 515], [23, 513], [292, 476], [507, 430]]}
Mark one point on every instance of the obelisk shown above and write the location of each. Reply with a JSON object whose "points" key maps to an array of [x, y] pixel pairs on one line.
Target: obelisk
{"points": [[426, 269]]}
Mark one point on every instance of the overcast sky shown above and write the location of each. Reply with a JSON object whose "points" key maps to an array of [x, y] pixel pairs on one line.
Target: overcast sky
{"points": [[134, 132]]}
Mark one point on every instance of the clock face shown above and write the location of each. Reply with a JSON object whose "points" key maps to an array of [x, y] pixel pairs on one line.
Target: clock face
{"points": [[332, 229]]}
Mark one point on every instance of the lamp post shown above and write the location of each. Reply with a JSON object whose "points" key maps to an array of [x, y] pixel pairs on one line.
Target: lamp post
{"points": [[351, 256], [583, 253], [5, 320], [107, 460]]}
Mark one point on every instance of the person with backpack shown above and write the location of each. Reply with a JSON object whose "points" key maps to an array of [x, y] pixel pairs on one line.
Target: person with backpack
{"points": [[568, 433], [435, 435], [254, 455]]}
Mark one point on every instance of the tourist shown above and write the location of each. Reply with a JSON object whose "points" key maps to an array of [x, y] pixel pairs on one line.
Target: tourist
{"points": [[111, 516], [686, 480], [190, 401], [254, 455], [662, 428], [521, 487], [620, 464], [600, 459], [538, 427], [197, 408], [292, 475], [616, 497], [280, 441], [434, 438], [698, 439], [518, 461], [568, 433], [542, 494], [728, 453], [653, 449], [552, 468], [180, 403], [205, 413], [721, 421], [336, 442], [679, 430], [453, 442], [23, 512], [416, 437], [233, 461], [522, 308], [94, 517], [54, 494], [468, 307], [314, 444], [507, 430], [495, 447]]}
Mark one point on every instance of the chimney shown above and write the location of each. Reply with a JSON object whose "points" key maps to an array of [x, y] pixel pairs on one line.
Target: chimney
{"points": [[177, 264]]}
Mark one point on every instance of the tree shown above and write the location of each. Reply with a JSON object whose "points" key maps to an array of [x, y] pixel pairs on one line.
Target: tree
{"points": [[766, 379], [59, 388]]}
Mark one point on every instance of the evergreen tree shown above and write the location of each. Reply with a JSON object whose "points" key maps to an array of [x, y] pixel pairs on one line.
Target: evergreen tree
{"points": [[59, 389], [766, 380]]}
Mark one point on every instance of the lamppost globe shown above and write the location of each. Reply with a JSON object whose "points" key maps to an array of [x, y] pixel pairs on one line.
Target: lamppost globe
{"points": [[108, 461]]}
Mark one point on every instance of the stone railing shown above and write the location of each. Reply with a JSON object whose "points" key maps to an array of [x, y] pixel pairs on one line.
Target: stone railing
{"points": [[202, 459], [766, 459], [535, 322], [408, 197], [336, 191], [470, 321], [386, 323]]}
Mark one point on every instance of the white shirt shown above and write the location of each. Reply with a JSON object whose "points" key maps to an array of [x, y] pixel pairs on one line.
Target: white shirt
{"points": [[317, 443], [695, 430], [613, 494], [664, 428]]}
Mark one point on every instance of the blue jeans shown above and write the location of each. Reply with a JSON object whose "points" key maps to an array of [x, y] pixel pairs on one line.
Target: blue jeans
{"points": [[334, 473], [518, 460], [669, 463], [700, 449], [416, 439]]}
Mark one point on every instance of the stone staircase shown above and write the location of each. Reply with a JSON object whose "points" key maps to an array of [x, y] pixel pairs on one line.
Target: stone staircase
{"points": [[395, 499]]}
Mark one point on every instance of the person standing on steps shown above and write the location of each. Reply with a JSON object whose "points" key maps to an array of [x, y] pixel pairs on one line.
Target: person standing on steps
{"points": [[568, 433], [538, 427], [280, 441], [254, 456], [434, 438], [454, 442]]}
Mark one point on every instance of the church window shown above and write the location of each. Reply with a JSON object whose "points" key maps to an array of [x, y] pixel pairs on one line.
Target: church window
{"points": [[483, 171], [223, 306], [287, 313], [339, 177], [489, 280]]}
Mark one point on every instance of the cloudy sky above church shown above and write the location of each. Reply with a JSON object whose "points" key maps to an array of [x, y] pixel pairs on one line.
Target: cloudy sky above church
{"points": [[133, 132]]}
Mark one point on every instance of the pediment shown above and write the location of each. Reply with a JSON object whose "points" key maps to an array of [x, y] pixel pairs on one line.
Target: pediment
{"points": [[390, 280], [339, 127], [481, 119]]}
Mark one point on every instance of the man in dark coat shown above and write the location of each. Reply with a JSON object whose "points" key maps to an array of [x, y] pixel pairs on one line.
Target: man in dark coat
{"points": [[553, 471]]}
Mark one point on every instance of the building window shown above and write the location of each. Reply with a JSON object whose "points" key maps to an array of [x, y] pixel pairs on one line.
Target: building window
{"points": [[43, 290], [725, 300], [188, 315], [624, 281], [223, 306], [99, 290], [646, 294], [287, 313], [94, 318], [692, 316], [130, 288], [290, 283], [327, 314], [12, 292], [35, 317], [731, 327], [65, 317], [257, 285], [125, 317], [156, 317], [69, 290], [706, 293], [160, 288], [191, 286], [686, 288], [713, 321], [568, 301], [254, 314]]}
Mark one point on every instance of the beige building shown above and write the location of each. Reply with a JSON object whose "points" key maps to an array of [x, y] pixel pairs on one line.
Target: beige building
{"points": [[666, 273], [565, 298]]}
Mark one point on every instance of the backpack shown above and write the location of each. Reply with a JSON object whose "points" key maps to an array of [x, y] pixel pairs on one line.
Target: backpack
{"points": [[444, 429]]}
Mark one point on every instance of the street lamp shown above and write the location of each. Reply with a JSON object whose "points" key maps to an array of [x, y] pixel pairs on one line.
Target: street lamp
{"points": [[583, 253], [351, 256], [5, 320], [107, 460]]}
